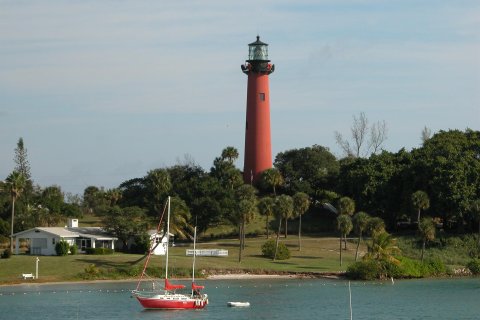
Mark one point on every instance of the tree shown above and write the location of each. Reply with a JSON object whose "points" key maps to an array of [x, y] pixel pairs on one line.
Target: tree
{"points": [[23, 166], [383, 248], [346, 206], [420, 201], [16, 183], [426, 228], [157, 186], [113, 196], [301, 203], [180, 218], [344, 225], [361, 144], [283, 207], [265, 207], [125, 223], [447, 168], [272, 178], [381, 185], [360, 224], [307, 169], [246, 209], [230, 154], [225, 171], [475, 208], [93, 199], [375, 226]]}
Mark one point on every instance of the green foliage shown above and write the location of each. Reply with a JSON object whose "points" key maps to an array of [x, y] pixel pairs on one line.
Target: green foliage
{"points": [[4, 229], [92, 270], [141, 243], [346, 206], [307, 169], [73, 249], [268, 250], [405, 268], [364, 270], [474, 266], [99, 251], [6, 254], [62, 247]]}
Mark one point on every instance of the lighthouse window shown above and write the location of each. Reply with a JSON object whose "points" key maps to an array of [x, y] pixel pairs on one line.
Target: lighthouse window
{"points": [[261, 95]]}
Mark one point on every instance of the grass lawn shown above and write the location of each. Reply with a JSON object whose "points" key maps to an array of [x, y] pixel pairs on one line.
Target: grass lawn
{"points": [[318, 254]]}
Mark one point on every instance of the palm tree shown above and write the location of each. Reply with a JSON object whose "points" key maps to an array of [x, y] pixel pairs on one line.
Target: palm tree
{"points": [[344, 225], [383, 248], [230, 154], [265, 207], [16, 183], [157, 184], [427, 232], [346, 205], [246, 209], [360, 223], [475, 208], [283, 207], [301, 203], [113, 196], [180, 218], [420, 201], [375, 226], [272, 178]]}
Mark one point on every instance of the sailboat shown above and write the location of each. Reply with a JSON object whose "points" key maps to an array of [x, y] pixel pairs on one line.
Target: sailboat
{"points": [[168, 298]]}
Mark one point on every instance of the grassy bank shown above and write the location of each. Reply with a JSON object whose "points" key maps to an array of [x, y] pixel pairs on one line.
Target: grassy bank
{"points": [[318, 255]]}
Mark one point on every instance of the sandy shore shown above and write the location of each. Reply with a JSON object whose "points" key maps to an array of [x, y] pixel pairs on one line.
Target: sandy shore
{"points": [[251, 276], [224, 276]]}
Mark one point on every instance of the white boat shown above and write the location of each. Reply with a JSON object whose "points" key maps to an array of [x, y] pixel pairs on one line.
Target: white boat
{"points": [[168, 298], [238, 304]]}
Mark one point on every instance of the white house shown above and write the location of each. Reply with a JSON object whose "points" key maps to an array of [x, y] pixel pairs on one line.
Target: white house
{"points": [[42, 240], [155, 238]]}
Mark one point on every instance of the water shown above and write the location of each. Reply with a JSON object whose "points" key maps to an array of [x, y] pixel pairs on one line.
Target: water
{"points": [[269, 299]]}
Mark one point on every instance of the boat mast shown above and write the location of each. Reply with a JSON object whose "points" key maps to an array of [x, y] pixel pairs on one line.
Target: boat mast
{"points": [[194, 253], [168, 239]]}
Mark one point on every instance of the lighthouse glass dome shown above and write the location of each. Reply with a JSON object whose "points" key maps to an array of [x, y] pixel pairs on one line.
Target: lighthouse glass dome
{"points": [[258, 50]]}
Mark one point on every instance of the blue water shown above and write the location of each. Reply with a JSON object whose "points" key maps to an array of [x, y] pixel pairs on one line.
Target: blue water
{"points": [[270, 299]]}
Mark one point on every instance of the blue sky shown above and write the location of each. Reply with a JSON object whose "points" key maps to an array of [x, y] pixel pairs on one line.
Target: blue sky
{"points": [[104, 91]]}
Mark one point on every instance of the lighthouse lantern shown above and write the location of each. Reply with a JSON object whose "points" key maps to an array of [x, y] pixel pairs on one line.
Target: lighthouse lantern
{"points": [[258, 51]]}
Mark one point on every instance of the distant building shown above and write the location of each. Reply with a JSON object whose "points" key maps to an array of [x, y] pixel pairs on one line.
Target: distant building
{"points": [[42, 240]]}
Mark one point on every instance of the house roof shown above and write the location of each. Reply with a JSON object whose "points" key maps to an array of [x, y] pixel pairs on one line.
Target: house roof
{"points": [[96, 233], [160, 234]]}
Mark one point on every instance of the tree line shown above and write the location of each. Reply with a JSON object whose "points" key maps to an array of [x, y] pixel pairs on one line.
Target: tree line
{"points": [[439, 179]]}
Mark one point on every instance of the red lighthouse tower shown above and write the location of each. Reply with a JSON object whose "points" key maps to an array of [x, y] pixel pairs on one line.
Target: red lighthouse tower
{"points": [[258, 145]]}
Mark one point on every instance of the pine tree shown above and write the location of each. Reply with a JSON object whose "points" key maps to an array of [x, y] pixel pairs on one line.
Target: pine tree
{"points": [[21, 161]]}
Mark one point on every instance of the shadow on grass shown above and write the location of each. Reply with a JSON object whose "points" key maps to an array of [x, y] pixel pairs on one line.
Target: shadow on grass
{"points": [[306, 257], [105, 263]]}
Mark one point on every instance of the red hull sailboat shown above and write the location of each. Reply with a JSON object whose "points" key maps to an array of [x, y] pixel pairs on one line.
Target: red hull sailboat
{"points": [[168, 298]]}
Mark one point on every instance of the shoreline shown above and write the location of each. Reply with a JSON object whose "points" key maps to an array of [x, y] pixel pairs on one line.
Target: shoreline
{"points": [[225, 276]]}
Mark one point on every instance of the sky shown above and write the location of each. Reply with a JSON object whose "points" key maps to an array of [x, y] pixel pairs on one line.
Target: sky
{"points": [[104, 91]]}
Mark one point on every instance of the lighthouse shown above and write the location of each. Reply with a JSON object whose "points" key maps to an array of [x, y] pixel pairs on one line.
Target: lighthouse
{"points": [[258, 145]]}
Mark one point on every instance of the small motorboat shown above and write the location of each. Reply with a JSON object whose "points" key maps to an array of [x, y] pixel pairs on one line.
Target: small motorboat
{"points": [[238, 304]]}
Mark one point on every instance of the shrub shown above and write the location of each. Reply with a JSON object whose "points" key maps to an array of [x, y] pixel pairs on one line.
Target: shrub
{"points": [[474, 266], [98, 251], [73, 249], [6, 254], [364, 270], [268, 250], [62, 247], [433, 267]]}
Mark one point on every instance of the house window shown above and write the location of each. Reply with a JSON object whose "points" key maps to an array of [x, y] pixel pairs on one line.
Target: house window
{"points": [[53, 240], [261, 95]]}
